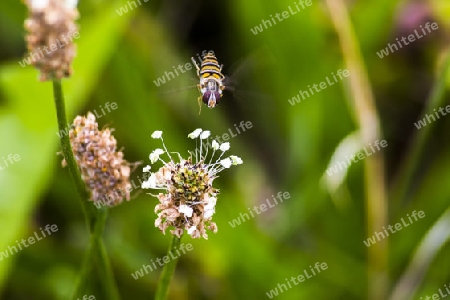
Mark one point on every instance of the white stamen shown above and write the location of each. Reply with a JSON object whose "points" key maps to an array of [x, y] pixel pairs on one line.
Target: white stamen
{"points": [[157, 134], [154, 156], [224, 147], [194, 134], [215, 145], [236, 160], [226, 163], [205, 134]]}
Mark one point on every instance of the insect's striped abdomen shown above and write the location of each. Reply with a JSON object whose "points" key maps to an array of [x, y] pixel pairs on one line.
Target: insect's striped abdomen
{"points": [[210, 67]]}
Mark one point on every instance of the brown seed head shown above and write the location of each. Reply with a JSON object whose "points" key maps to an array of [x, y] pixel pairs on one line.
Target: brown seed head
{"points": [[102, 168], [51, 30]]}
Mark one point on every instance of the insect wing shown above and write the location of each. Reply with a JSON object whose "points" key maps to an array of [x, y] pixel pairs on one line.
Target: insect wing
{"points": [[249, 82], [180, 90]]}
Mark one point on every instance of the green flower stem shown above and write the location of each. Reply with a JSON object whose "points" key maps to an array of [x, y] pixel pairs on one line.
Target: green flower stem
{"points": [[81, 285], [403, 182], [100, 256], [88, 209], [363, 106], [96, 262], [167, 272], [95, 218]]}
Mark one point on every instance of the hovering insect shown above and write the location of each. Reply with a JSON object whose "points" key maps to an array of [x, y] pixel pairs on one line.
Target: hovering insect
{"points": [[211, 84]]}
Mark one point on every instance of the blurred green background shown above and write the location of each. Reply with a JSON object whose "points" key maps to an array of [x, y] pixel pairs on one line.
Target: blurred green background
{"points": [[288, 149]]}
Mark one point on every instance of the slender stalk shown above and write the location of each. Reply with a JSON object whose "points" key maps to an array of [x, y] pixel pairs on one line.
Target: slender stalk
{"points": [[101, 257], [363, 106], [411, 163], [81, 285], [68, 155], [167, 272], [96, 262], [95, 218]]}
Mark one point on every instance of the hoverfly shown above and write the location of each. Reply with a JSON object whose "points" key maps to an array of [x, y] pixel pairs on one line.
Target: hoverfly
{"points": [[211, 84]]}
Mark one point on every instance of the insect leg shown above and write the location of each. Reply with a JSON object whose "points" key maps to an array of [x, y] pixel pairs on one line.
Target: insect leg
{"points": [[196, 66]]}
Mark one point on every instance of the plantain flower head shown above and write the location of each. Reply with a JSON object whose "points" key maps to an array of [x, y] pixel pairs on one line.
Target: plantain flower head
{"points": [[187, 198], [103, 169], [51, 30]]}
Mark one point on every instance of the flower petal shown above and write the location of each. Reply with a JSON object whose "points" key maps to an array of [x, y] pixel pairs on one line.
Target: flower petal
{"points": [[146, 169], [39, 4], [150, 183], [192, 229], [210, 208], [212, 201], [208, 213], [186, 210], [71, 3]]}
